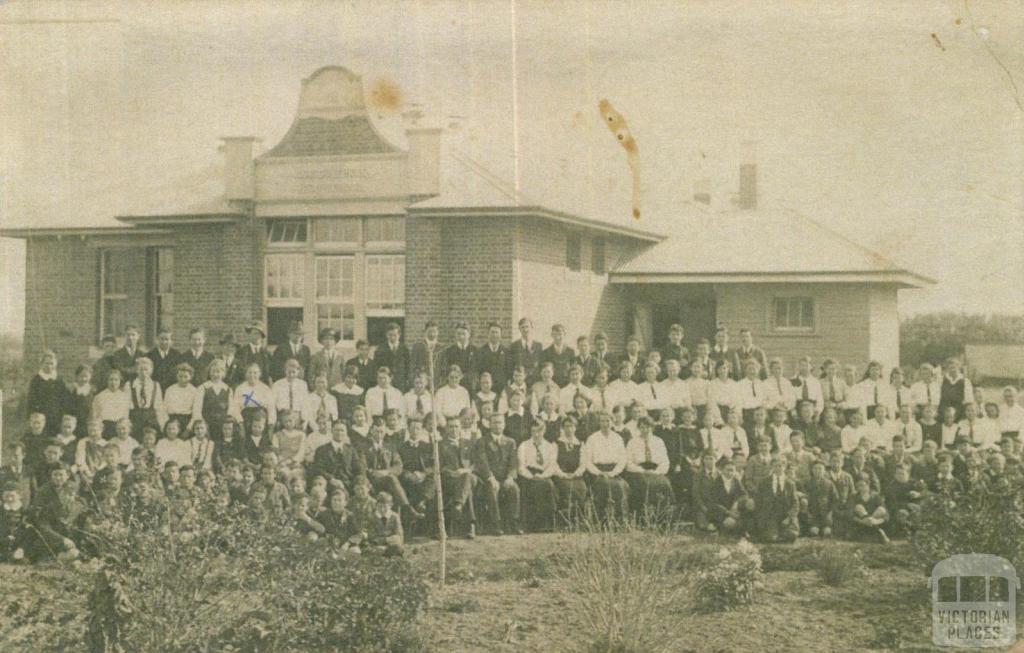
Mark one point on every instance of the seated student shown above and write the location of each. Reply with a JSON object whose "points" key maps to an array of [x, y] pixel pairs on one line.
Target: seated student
{"points": [[89, 450], [729, 505], [339, 460], [991, 421], [853, 432], [780, 390], [1011, 414], [759, 465], [702, 491], [605, 456], [807, 423], [518, 383], [348, 394], [485, 393], [684, 448], [291, 442], [319, 401], [751, 393], [79, 398], [545, 386], [383, 396], [548, 414], [537, 460], [112, 404], [907, 427], [171, 448], [416, 452], [857, 465], [203, 449], [394, 428], [124, 442], [54, 514], [646, 471], [902, 496], [146, 397], [647, 391], [830, 434], [269, 498], [979, 431], [384, 467], [215, 399], [252, 396], [339, 526], [570, 487], [568, 393], [798, 460], [931, 430], [359, 428], [496, 465], [759, 428], [1011, 459], [779, 430], [47, 393], [453, 398], [822, 501], [518, 419], [731, 439], [14, 528], [700, 389], [469, 426], [898, 457], [622, 391], [67, 440], [586, 419], [842, 480], [949, 427], [675, 390], [387, 536], [15, 473], [723, 392], [230, 445], [183, 401], [304, 523], [777, 506], [458, 478], [258, 440], [880, 429], [867, 514], [418, 401]]}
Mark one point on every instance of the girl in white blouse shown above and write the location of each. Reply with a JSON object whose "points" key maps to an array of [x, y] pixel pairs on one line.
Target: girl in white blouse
{"points": [[722, 395]]}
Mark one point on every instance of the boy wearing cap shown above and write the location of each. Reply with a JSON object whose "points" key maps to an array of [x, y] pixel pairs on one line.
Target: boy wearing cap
{"points": [[233, 371], [366, 371], [255, 352], [294, 349]]}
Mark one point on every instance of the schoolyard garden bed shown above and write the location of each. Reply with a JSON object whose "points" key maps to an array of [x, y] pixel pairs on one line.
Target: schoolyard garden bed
{"points": [[516, 594]]}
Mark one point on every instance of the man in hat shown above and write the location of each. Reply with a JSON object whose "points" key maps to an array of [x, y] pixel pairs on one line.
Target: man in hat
{"points": [[256, 351], [197, 357], [294, 348], [327, 360], [233, 371]]}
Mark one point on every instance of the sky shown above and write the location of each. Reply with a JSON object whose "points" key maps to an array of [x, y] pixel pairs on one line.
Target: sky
{"points": [[892, 123]]}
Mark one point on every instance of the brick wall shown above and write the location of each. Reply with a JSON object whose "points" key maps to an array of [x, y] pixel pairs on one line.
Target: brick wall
{"points": [[584, 302], [477, 273], [424, 292], [61, 301]]}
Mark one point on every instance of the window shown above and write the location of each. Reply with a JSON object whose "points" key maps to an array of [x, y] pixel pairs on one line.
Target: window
{"points": [[162, 291], [573, 252], [337, 230], [385, 283], [114, 298], [793, 314], [335, 295], [287, 231], [285, 279], [597, 256], [385, 229]]}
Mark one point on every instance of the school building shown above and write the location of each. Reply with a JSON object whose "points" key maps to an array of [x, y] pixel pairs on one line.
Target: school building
{"points": [[337, 226]]}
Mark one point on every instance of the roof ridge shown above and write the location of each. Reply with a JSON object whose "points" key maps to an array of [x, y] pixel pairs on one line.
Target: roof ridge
{"points": [[849, 241]]}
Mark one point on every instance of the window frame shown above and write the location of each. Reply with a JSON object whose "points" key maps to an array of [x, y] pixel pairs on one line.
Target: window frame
{"points": [[301, 224], [299, 267], [382, 308], [105, 258], [574, 238], [601, 269], [157, 296], [340, 300], [368, 241], [789, 328]]}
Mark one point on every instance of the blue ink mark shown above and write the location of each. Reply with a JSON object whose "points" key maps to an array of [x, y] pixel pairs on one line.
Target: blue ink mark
{"points": [[247, 399]]}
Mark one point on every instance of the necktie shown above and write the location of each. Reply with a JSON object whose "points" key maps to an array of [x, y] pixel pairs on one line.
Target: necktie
{"points": [[647, 449], [540, 456], [291, 396], [604, 402], [928, 387], [419, 405], [142, 391], [654, 394], [753, 387], [385, 401], [778, 382], [876, 394], [807, 391], [832, 390]]}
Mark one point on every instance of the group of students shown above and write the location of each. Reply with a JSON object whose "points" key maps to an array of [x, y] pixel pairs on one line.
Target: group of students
{"points": [[528, 438]]}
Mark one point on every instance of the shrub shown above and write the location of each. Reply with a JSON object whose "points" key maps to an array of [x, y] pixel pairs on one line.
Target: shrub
{"points": [[619, 579], [987, 519], [732, 579], [836, 567]]}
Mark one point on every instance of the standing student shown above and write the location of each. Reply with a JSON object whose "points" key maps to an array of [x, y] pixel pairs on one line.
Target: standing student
{"points": [[675, 391], [751, 393], [485, 395], [518, 419], [908, 428], [233, 370], [674, 348], [349, 394], [871, 389], [291, 392], [537, 460], [807, 386], [526, 352], [495, 359], [854, 401], [252, 396], [623, 391], [560, 355], [366, 372], [453, 398], [47, 393], [749, 352], [327, 361], [124, 358], [896, 393], [956, 389], [833, 387], [700, 390], [78, 400], [396, 357], [165, 358], [255, 352], [418, 402], [102, 366], [183, 401], [634, 358], [723, 396], [601, 353], [147, 398], [931, 429], [112, 404], [605, 456], [463, 354], [649, 391], [427, 354], [543, 387], [196, 357], [646, 471], [215, 400], [927, 390], [319, 402], [587, 361], [567, 394], [383, 396], [295, 350], [780, 389], [1011, 414]]}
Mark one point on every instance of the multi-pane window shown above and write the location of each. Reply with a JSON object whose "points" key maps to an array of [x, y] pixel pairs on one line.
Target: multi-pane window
{"points": [[162, 262], [286, 231], [385, 229], [285, 279], [337, 230], [114, 299], [385, 283], [793, 314], [597, 263], [573, 251], [335, 294]]}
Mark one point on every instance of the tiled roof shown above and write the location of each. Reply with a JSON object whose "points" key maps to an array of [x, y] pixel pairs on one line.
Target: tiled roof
{"points": [[313, 136]]}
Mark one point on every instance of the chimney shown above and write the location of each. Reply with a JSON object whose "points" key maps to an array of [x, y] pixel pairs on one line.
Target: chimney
{"points": [[702, 191], [424, 169], [239, 171], [747, 199]]}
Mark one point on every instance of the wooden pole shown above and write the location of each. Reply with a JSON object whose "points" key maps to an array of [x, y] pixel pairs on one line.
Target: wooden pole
{"points": [[435, 444]]}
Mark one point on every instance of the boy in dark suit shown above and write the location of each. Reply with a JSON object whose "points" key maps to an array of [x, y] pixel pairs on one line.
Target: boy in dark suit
{"points": [[526, 351], [256, 351], [426, 352], [327, 360], [124, 358], [165, 357], [559, 354], [463, 354], [197, 357], [458, 478], [366, 371], [396, 357], [294, 348], [234, 373], [495, 464], [101, 368], [495, 359], [387, 535], [674, 349], [777, 506], [338, 459]]}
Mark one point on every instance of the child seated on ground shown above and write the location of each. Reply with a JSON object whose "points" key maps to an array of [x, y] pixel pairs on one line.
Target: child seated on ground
{"points": [[901, 498], [867, 514], [13, 526], [339, 526], [822, 501], [306, 526], [387, 535]]}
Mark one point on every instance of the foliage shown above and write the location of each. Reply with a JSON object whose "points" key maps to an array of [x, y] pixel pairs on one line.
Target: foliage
{"points": [[987, 519], [732, 580], [836, 567], [933, 337], [618, 578]]}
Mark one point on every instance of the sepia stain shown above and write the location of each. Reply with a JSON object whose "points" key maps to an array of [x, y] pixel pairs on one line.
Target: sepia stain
{"points": [[385, 96], [617, 125], [958, 21], [935, 37]]}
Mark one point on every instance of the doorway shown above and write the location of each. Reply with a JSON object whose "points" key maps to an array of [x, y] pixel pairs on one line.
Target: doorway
{"points": [[697, 315], [279, 319]]}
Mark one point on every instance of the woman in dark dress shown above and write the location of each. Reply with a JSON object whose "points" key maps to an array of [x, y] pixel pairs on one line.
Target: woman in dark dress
{"points": [[47, 393], [78, 399], [569, 483]]}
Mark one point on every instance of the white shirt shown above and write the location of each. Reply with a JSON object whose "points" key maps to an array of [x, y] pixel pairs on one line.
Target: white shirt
{"points": [[528, 454], [880, 435], [650, 395], [923, 394], [650, 449], [813, 390], [375, 400], [780, 393], [912, 434], [1011, 418], [451, 401], [183, 401], [247, 396], [604, 449], [850, 437], [726, 440], [699, 390], [985, 432], [723, 393], [949, 433], [410, 403], [154, 398], [568, 393], [125, 448], [290, 395], [751, 393], [676, 392], [315, 403], [111, 405], [620, 393]]}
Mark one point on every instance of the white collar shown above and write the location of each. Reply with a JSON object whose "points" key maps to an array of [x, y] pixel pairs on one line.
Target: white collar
{"points": [[52, 376]]}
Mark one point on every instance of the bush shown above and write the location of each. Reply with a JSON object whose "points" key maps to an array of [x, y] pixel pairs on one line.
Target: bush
{"points": [[836, 567], [618, 578], [987, 519], [732, 579]]}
